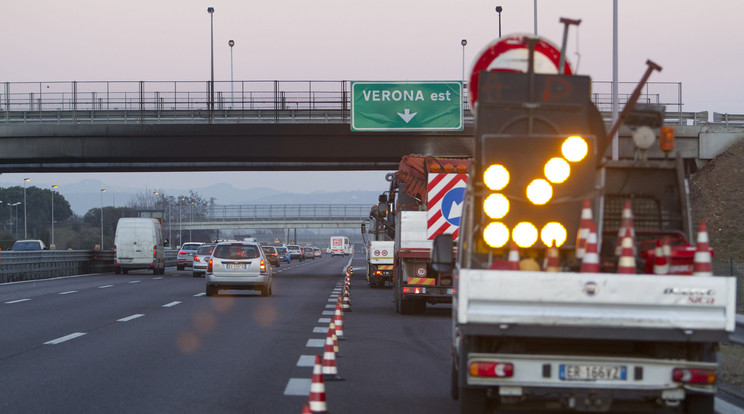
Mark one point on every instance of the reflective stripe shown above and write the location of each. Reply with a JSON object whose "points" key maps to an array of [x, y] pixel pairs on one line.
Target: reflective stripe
{"points": [[429, 281]]}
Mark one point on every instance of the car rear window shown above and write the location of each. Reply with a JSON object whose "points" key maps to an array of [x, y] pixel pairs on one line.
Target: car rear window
{"points": [[236, 251], [281, 250], [193, 246], [28, 245], [207, 249]]}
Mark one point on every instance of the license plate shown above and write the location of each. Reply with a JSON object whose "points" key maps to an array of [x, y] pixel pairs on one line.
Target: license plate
{"points": [[236, 266], [593, 372]]}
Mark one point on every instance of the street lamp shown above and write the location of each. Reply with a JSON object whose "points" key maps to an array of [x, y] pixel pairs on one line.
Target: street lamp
{"points": [[180, 220], [16, 217], [54, 187], [463, 42], [231, 43], [498, 10], [103, 190], [192, 219], [210, 10], [25, 226]]}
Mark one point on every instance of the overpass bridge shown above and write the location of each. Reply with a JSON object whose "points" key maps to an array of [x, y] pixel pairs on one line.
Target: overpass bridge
{"points": [[255, 125]]}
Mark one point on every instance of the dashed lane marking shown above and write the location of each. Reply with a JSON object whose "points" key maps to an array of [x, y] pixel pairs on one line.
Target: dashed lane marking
{"points": [[320, 329], [315, 343], [324, 320], [172, 304], [200, 294], [329, 313], [105, 286], [68, 292], [298, 386], [306, 361], [17, 301], [64, 338], [129, 318], [134, 281]]}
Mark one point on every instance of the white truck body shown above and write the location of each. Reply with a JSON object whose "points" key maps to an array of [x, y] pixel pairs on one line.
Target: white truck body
{"points": [[413, 227], [381, 252], [139, 245], [339, 246]]}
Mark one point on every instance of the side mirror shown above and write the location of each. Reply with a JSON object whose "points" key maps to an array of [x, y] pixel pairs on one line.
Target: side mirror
{"points": [[441, 254]]}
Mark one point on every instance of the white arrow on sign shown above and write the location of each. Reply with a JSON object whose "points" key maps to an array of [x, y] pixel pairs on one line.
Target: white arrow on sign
{"points": [[407, 115], [455, 210]]}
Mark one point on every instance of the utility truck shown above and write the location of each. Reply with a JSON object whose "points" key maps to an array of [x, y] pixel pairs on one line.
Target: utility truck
{"points": [[536, 341], [424, 200]]}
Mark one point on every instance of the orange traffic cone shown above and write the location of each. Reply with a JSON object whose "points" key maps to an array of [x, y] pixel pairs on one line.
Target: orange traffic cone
{"points": [[660, 261], [554, 259], [626, 264], [590, 262], [332, 328], [702, 265], [513, 258], [330, 371], [317, 399], [583, 233], [306, 409], [666, 248], [338, 320], [626, 221], [346, 302]]}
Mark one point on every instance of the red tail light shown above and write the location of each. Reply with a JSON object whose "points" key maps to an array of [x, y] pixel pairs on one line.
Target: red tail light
{"points": [[180, 253], [694, 376], [492, 369], [209, 266], [196, 258], [155, 251], [263, 266], [114, 252]]}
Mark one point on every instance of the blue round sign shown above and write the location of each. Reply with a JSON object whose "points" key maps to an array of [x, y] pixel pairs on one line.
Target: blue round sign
{"points": [[452, 205]]}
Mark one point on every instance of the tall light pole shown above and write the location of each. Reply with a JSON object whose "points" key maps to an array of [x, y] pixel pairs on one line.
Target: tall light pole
{"points": [[16, 218], [231, 43], [180, 220], [103, 190], [535, 17], [210, 10], [463, 42], [25, 226], [54, 187], [499, 9], [192, 219]]}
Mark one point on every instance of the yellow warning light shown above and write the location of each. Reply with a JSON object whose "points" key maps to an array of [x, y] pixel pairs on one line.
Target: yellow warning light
{"points": [[524, 234], [496, 234], [575, 149], [553, 231], [557, 170], [539, 192], [496, 177], [496, 206]]}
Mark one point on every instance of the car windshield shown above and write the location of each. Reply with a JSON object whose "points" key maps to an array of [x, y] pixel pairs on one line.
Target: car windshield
{"points": [[236, 251]]}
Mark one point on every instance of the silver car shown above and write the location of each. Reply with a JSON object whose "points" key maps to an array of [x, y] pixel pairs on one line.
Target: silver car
{"points": [[238, 265], [201, 258], [186, 255]]}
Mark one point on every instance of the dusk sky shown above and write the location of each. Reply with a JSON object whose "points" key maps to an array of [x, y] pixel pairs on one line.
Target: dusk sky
{"points": [[48, 40]]}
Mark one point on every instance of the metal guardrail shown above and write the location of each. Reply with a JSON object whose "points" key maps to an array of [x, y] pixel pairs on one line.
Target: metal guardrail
{"points": [[47, 264], [275, 101]]}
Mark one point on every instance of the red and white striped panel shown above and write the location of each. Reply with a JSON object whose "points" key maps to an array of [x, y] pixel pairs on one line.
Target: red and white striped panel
{"points": [[445, 199]]}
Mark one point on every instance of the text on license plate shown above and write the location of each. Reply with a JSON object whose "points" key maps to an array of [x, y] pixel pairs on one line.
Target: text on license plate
{"points": [[236, 266], [592, 372]]}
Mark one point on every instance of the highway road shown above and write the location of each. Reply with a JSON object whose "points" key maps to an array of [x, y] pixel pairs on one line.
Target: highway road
{"points": [[143, 343]]}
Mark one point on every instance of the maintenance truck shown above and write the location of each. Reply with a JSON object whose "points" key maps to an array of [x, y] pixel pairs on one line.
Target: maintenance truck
{"points": [[535, 341]]}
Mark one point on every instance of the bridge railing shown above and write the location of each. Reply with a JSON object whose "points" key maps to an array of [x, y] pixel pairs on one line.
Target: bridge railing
{"points": [[243, 101], [281, 212]]}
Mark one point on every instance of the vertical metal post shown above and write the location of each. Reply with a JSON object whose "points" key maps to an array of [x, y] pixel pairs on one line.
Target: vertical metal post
{"points": [[210, 10], [615, 100]]}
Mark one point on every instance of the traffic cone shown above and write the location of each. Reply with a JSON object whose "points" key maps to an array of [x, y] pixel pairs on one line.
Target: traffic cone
{"points": [[332, 328], [346, 301], [338, 320], [330, 371], [306, 409], [666, 249], [513, 258], [660, 261], [626, 264], [626, 222], [702, 265], [317, 399], [583, 233], [590, 262], [554, 259]]}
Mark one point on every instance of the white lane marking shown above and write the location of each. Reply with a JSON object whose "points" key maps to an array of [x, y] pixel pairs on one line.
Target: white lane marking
{"points": [[315, 343], [105, 286], [329, 313], [68, 292], [320, 329], [332, 299], [135, 281], [200, 294], [306, 361], [172, 304], [17, 301], [324, 320], [129, 318], [64, 338], [330, 306], [157, 278], [298, 386]]}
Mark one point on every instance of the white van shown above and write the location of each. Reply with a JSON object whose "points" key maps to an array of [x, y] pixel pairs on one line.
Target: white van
{"points": [[138, 244]]}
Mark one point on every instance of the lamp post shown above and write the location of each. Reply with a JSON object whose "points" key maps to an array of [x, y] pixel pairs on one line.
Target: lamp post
{"points": [[16, 217], [103, 190], [463, 42], [210, 10], [192, 219], [499, 9], [231, 43], [180, 219], [25, 225], [54, 187]]}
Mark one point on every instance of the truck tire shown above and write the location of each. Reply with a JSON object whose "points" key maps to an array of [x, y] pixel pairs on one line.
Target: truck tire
{"points": [[473, 400], [699, 403]]}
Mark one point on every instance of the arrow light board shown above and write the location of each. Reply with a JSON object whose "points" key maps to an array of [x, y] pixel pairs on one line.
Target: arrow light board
{"points": [[406, 106]]}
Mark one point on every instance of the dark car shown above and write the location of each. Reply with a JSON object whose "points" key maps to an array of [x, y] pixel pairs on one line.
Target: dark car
{"points": [[271, 254]]}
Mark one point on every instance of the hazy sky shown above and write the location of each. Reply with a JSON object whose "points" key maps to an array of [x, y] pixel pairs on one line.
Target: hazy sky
{"points": [[696, 43]]}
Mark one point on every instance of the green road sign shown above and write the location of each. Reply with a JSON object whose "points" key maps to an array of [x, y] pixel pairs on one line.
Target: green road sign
{"points": [[406, 106]]}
